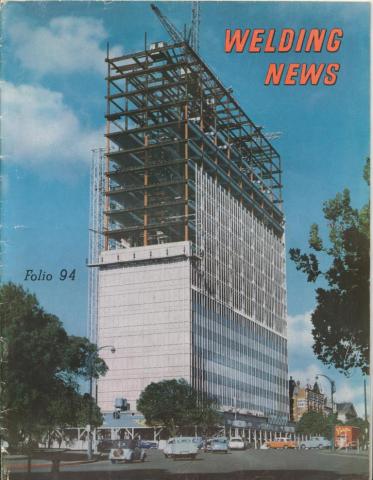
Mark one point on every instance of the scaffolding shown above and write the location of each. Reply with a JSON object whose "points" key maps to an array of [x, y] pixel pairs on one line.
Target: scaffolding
{"points": [[96, 242], [167, 113]]}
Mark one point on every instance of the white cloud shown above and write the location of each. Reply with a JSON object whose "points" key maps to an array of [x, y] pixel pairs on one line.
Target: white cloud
{"points": [[349, 392], [306, 375], [299, 332], [66, 45], [40, 130]]}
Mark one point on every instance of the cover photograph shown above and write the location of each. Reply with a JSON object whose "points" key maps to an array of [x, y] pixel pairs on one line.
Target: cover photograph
{"points": [[185, 240]]}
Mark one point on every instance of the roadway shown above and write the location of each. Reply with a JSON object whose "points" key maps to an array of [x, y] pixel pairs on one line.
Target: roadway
{"points": [[249, 464]]}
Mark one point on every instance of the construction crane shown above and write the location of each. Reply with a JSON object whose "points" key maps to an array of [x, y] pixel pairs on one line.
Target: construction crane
{"points": [[174, 33], [194, 29], [272, 135], [170, 28]]}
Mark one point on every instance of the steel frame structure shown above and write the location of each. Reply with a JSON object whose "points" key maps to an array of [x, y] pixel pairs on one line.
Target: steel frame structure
{"points": [[166, 113], [184, 163], [96, 241]]}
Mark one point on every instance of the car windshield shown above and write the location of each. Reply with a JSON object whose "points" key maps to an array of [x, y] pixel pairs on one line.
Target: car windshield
{"points": [[121, 443], [220, 440]]}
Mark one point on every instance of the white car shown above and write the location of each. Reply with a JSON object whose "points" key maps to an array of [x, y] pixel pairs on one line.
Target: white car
{"points": [[315, 442], [179, 447], [217, 444], [236, 443], [4, 447], [126, 450]]}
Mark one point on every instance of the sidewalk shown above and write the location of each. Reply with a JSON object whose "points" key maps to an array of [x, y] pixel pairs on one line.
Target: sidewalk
{"points": [[351, 453], [40, 460]]}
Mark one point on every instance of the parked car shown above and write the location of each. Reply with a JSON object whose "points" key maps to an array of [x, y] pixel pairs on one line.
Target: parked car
{"points": [[207, 445], [199, 442], [148, 444], [281, 443], [4, 446], [181, 447], [236, 443], [105, 445], [315, 442], [127, 450], [218, 444]]}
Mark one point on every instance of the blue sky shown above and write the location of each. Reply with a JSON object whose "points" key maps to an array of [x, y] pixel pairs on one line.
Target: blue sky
{"points": [[53, 67]]}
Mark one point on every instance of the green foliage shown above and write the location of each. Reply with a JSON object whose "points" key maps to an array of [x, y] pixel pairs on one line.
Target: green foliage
{"points": [[175, 404], [341, 317], [41, 366], [316, 423]]}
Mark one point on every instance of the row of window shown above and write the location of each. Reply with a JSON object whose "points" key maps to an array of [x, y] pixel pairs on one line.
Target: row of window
{"points": [[233, 346], [220, 315]]}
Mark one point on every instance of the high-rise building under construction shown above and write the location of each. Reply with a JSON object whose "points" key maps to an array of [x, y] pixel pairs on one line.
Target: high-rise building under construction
{"points": [[192, 273]]}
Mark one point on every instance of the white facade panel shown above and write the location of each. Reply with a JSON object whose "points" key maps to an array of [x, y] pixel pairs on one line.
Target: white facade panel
{"points": [[144, 312]]}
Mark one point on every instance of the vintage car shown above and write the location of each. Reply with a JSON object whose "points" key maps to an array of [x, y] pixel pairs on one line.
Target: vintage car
{"points": [[281, 443], [126, 450], [181, 447], [315, 442], [148, 444], [217, 444], [199, 442], [236, 443]]}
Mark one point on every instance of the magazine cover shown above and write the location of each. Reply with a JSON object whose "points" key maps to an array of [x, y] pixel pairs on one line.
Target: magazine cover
{"points": [[185, 240]]}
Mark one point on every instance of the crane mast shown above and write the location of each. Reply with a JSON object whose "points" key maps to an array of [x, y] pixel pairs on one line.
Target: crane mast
{"points": [[194, 29]]}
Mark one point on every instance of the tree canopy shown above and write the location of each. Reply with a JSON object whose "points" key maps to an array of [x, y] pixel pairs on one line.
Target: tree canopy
{"points": [[176, 404], [341, 317], [316, 423], [41, 366]]}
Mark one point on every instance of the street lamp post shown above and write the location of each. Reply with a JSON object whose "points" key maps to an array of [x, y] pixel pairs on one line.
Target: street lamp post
{"points": [[91, 356], [332, 391]]}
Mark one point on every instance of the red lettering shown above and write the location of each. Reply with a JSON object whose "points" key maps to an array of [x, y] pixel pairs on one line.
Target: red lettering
{"points": [[286, 40], [333, 44], [237, 40], [269, 48], [256, 39], [274, 74], [316, 37], [291, 73], [312, 72], [330, 75], [302, 34]]}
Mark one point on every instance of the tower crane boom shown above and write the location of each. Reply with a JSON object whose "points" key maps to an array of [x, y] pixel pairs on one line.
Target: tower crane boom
{"points": [[170, 28]]}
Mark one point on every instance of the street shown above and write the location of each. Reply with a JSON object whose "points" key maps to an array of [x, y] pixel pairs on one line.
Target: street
{"points": [[250, 464]]}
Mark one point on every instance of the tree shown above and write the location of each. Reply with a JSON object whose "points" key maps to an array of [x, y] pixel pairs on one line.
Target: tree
{"points": [[40, 370], [341, 317], [316, 423], [176, 404]]}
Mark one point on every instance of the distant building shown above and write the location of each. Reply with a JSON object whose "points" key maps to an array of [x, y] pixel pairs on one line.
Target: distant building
{"points": [[306, 399], [346, 411]]}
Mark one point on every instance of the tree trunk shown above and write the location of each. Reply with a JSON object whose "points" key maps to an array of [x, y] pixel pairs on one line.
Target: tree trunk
{"points": [[55, 468], [28, 463]]}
